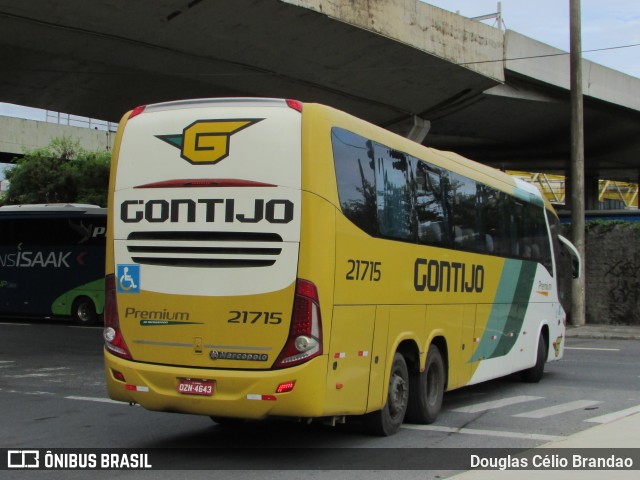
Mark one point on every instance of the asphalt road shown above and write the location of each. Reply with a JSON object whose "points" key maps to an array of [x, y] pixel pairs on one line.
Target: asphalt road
{"points": [[52, 396]]}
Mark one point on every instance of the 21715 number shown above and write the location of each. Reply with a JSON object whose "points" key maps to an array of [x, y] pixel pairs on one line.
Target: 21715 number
{"points": [[364, 270], [268, 318]]}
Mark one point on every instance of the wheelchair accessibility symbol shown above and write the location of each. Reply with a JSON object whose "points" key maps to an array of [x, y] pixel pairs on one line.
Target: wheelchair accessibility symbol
{"points": [[128, 278]]}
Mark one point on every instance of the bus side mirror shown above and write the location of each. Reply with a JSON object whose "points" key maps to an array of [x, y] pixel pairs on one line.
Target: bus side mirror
{"points": [[576, 265]]}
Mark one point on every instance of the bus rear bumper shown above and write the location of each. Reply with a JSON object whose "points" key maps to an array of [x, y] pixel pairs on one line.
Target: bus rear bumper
{"points": [[236, 393]]}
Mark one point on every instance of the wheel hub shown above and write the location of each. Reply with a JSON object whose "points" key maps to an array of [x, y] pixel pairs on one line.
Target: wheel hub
{"points": [[398, 395]]}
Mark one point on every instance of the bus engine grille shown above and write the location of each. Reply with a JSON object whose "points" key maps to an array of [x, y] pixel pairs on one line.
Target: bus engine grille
{"points": [[204, 249]]}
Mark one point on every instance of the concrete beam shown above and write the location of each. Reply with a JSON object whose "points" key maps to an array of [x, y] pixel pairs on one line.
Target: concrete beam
{"points": [[419, 130], [430, 29], [547, 64]]}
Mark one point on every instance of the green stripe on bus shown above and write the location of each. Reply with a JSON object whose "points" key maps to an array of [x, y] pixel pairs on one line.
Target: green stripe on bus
{"points": [[518, 309], [508, 311]]}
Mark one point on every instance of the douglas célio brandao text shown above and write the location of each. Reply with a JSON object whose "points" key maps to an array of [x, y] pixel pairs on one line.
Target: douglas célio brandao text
{"points": [[552, 462]]}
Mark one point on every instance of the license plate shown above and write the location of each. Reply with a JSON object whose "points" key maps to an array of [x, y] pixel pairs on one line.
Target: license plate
{"points": [[188, 386]]}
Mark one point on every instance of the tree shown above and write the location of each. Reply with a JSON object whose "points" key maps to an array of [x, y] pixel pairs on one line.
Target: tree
{"points": [[61, 172]]}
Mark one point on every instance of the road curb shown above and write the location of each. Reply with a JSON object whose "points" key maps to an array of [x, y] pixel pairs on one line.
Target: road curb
{"points": [[604, 332]]}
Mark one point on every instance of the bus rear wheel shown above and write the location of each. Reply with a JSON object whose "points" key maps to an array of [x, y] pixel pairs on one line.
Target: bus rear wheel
{"points": [[83, 311], [387, 421], [426, 389]]}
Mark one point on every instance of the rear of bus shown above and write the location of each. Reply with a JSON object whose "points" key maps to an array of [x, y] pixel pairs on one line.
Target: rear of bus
{"points": [[205, 311]]}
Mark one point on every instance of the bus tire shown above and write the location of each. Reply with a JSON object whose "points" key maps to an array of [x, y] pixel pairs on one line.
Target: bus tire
{"points": [[426, 389], [83, 311], [387, 421], [534, 374]]}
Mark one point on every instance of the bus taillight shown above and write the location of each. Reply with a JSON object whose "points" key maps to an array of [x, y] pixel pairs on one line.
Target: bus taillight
{"points": [[113, 339], [295, 104], [305, 335], [137, 111]]}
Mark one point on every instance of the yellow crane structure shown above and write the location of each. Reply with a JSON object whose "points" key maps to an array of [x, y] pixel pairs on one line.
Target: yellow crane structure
{"points": [[554, 188]]}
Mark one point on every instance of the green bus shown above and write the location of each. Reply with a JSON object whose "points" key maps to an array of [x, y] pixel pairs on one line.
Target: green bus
{"points": [[52, 260]]}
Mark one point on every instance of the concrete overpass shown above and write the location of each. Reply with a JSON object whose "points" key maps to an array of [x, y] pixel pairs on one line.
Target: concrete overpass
{"points": [[494, 96], [17, 134]]}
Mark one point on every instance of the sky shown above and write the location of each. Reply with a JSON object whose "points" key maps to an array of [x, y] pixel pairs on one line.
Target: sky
{"points": [[605, 24]]}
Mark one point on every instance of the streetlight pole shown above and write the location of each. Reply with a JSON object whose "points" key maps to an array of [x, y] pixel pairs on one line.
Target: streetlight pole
{"points": [[577, 162]]}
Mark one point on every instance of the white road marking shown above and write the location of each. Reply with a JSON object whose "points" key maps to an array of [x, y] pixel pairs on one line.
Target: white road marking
{"points": [[558, 409], [489, 433], [593, 348], [94, 399], [70, 397], [48, 372], [610, 417], [25, 393], [481, 407]]}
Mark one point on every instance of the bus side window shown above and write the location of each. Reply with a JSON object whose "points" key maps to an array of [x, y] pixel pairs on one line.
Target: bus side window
{"points": [[466, 230], [532, 230], [394, 200], [428, 205], [353, 161], [492, 222], [514, 228], [540, 237]]}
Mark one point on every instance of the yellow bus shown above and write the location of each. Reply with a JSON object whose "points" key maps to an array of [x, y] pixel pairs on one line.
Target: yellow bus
{"points": [[269, 258]]}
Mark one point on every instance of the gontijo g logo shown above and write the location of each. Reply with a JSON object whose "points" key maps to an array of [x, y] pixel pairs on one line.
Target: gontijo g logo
{"points": [[205, 142]]}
